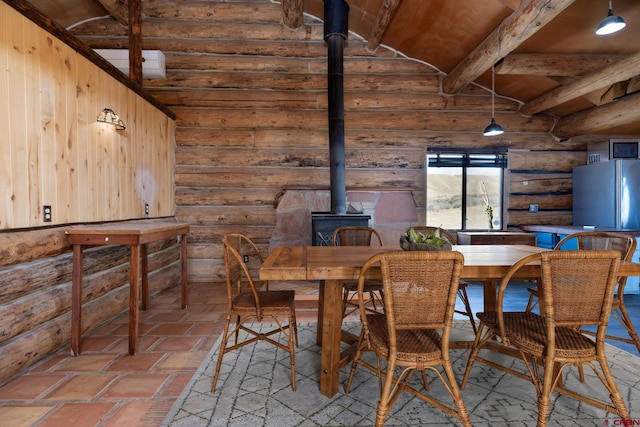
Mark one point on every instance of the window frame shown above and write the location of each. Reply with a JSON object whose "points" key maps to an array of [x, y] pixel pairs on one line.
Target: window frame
{"points": [[464, 159]]}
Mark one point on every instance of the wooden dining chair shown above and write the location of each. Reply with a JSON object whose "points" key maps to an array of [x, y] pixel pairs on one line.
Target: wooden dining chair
{"points": [[251, 304], [591, 240], [358, 236], [576, 289], [462, 287], [419, 291]]}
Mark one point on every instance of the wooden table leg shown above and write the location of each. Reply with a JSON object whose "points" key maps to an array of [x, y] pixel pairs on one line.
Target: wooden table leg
{"points": [[76, 300], [331, 338], [183, 271], [490, 296], [145, 277], [134, 297], [320, 314]]}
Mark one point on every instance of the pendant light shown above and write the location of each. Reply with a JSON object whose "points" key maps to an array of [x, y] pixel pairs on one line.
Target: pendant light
{"points": [[610, 24], [493, 129]]}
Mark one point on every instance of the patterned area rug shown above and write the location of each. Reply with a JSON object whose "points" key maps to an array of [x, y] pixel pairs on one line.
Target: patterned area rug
{"points": [[254, 389]]}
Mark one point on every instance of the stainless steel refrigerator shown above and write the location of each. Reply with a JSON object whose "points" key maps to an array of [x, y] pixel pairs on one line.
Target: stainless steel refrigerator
{"points": [[607, 194]]}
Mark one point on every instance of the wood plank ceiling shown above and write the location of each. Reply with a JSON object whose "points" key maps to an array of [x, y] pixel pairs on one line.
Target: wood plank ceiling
{"points": [[546, 52]]}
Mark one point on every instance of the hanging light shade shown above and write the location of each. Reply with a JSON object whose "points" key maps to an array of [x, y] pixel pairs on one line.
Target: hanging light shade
{"points": [[110, 117], [610, 24], [493, 129]]}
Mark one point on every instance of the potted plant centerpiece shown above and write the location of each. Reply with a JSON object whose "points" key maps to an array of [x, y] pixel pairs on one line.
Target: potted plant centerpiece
{"points": [[416, 241]]}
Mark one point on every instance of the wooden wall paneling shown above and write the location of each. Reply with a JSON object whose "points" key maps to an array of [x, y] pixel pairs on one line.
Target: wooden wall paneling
{"points": [[32, 122], [58, 154], [48, 146], [5, 124], [17, 129], [79, 163]]}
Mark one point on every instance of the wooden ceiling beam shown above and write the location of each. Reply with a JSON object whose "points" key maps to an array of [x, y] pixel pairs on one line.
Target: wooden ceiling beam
{"points": [[134, 10], [554, 64], [530, 17], [292, 13], [624, 111], [118, 9], [385, 14], [620, 71]]}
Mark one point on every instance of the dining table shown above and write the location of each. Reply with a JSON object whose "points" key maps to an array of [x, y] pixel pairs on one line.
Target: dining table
{"points": [[330, 265]]}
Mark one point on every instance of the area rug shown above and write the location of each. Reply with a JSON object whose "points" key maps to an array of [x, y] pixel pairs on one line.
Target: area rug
{"points": [[254, 389]]}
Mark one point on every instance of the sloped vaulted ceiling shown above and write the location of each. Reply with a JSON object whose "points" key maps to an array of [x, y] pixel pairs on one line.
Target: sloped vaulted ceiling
{"points": [[547, 54]]}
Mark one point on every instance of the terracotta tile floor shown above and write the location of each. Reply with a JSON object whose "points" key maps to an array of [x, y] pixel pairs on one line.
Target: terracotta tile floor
{"points": [[104, 386]]}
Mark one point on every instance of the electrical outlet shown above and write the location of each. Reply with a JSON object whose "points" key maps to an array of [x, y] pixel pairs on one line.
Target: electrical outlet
{"points": [[146, 208], [246, 258], [533, 207], [46, 213]]}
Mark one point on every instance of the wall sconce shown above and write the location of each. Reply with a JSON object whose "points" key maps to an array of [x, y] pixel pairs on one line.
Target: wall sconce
{"points": [[108, 116]]}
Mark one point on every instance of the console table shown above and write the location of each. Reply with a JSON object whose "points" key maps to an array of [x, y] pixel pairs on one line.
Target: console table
{"points": [[495, 238], [136, 235]]}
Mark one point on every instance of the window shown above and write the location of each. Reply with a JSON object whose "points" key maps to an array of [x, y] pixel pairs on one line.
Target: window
{"points": [[464, 189]]}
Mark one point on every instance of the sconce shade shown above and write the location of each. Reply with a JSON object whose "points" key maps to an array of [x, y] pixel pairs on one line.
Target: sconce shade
{"points": [[108, 116], [493, 129]]}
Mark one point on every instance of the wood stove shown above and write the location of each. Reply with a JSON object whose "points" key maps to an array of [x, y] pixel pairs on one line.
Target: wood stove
{"points": [[323, 224]]}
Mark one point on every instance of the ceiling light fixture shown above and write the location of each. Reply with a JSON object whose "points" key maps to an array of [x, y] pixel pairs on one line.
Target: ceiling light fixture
{"points": [[493, 129], [108, 116], [610, 24]]}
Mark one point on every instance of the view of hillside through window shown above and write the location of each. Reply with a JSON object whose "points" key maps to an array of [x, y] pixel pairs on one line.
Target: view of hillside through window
{"points": [[464, 191]]}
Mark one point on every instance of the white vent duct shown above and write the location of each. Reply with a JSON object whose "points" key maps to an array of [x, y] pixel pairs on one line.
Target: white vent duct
{"points": [[153, 65]]}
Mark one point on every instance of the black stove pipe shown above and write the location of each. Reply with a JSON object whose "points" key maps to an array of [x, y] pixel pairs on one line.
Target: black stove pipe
{"points": [[336, 14]]}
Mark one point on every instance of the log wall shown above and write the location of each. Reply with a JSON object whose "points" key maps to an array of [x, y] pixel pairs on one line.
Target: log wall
{"points": [[250, 96]]}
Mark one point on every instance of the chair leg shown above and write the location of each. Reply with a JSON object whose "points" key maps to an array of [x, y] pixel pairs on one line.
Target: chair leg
{"points": [[478, 343], [385, 397], [293, 336], [455, 394], [621, 315], [221, 352], [531, 303], [355, 362], [462, 294], [614, 393], [544, 393]]}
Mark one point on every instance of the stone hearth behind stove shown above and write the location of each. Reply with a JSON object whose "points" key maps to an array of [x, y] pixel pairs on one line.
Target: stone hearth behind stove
{"points": [[391, 212]]}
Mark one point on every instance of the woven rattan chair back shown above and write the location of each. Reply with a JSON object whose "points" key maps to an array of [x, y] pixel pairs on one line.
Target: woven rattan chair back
{"points": [[251, 302], [452, 237], [419, 290], [602, 240], [576, 289], [356, 236], [241, 256]]}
